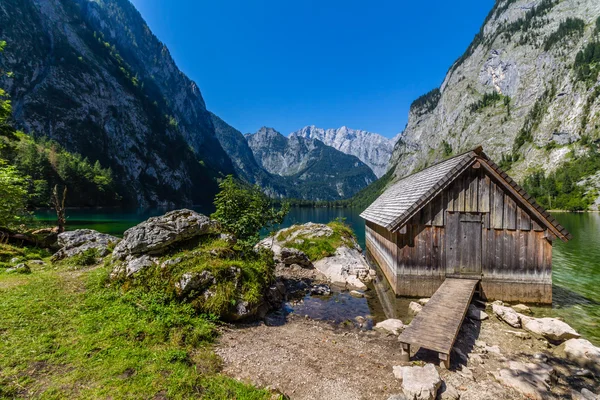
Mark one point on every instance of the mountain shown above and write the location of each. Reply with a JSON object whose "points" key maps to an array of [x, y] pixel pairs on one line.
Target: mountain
{"points": [[93, 77], [526, 89], [246, 166], [315, 170], [371, 148]]}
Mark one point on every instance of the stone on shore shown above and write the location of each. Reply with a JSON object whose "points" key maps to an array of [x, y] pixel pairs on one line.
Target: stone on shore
{"points": [[522, 308], [78, 241], [423, 301], [21, 268], [346, 267], [507, 315], [476, 314], [414, 308], [393, 326], [583, 353], [420, 383], [550, 328]]}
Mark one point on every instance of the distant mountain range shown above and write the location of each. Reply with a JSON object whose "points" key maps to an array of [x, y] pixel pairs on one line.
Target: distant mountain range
{"points": [[371, 148], [91, 75]]}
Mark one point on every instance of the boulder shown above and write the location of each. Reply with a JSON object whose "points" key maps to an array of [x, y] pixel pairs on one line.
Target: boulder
{"points": [[414, 308], [78, 241], [507, 315], [522, 308], [393, 326], [19, 269], [290, 256], [583, 353], [155, 235], [423, 301], [551, 329], [476, 314], [420, 383], [531, 380], [346, 267]]}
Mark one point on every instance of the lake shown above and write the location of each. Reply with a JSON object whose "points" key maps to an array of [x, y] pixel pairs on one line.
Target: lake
{"points": [[576, 264]]}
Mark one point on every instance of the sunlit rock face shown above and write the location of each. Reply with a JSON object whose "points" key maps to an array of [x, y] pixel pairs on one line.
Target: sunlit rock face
{"points": [[527, 60]]}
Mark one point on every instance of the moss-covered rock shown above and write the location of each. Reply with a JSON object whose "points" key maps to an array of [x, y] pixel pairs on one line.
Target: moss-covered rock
{"points": [[201, 266]]}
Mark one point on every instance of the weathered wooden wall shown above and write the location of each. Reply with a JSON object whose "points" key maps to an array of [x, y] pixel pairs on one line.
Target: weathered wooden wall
{"points": [[516, 257]]}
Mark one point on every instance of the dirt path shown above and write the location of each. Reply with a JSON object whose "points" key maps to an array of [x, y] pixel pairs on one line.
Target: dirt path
{"points": [[307, 359]]}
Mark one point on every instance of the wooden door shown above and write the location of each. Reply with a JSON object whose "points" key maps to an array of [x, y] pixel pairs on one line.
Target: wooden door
{"points": [[463, 243]]}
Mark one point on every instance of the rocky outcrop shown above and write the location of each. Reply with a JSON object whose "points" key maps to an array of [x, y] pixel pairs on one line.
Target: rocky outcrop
{"points": [[155, 236], [370, 148], [346, 267], [317, 171], [419, 383], [538, 94], [78, 241], [583, 353]]}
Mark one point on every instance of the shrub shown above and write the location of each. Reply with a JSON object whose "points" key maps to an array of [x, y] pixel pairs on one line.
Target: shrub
{"points": [[244, 211]]}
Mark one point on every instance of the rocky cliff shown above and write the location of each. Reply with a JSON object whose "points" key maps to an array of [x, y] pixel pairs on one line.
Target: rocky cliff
{"points": [[371, 148], [526, 89], [92, 76], [315, 170]]}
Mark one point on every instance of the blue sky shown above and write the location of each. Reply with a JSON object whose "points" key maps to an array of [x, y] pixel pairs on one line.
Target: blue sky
{"points": [[288, 64]]}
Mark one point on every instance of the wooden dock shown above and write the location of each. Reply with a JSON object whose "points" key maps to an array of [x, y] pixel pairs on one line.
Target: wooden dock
{"points": [[437, 325]]}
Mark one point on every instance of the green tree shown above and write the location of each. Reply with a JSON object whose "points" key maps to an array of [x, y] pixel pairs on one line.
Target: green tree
{"points": [[244, 211], [13, 196]]}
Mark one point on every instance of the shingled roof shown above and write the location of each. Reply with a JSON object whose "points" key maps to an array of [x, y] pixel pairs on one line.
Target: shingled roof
{"points": [[406, 197]]}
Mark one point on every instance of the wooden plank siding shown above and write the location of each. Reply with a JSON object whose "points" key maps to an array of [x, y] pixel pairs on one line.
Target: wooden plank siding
{"points": [[515, 254]]}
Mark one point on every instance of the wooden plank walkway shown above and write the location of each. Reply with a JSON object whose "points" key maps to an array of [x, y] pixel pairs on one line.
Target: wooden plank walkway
{"points": [[437, 325]]}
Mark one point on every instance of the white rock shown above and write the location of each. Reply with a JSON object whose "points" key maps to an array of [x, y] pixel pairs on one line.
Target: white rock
{"points": [[476, 314], [420, 383], [422, 301], [551, 328], [583, 353], [507, 315], [414, 308], [356, 293], [532, 380], [391, 325], [522, 308], [493, 349], [344, 267]]}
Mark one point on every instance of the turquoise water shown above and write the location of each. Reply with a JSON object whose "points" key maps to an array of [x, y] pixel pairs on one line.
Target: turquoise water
{"points": [[576, 264]]}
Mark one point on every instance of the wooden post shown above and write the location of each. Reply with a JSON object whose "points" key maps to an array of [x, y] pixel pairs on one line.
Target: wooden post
{"points": [[405, 352], [444, 360]]}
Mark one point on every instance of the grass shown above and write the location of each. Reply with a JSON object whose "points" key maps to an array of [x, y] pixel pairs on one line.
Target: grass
{"points": [[320, 247], [67, 334], [8, 252], [240, 276]]}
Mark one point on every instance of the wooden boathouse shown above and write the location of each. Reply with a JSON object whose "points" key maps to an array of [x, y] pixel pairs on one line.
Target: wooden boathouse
{"points": [[463, 218]]}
